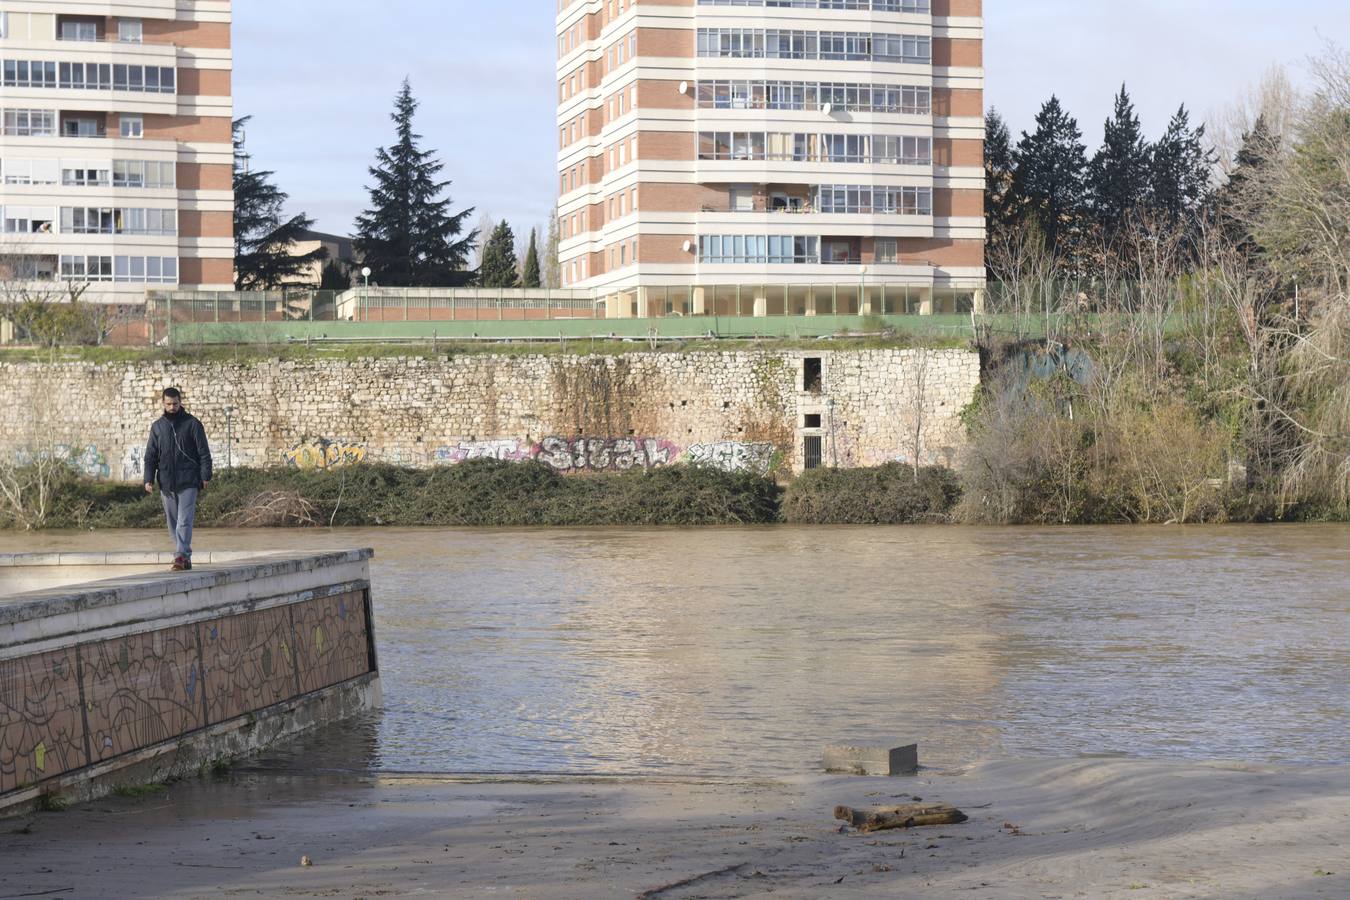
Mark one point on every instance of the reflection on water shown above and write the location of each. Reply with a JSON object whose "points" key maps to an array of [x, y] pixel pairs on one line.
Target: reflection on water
{"points": [[745, 651]]}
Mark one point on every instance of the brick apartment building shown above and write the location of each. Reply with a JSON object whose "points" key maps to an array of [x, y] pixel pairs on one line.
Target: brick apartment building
{"points": [[115, 154], [759, 157]]}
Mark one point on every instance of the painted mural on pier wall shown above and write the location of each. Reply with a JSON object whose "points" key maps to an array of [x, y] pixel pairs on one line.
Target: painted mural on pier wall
{"points": [[568, 455], [76, 706]]}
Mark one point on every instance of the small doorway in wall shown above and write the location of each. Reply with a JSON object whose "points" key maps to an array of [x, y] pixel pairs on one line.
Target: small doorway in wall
{"points": [[812, 446]]}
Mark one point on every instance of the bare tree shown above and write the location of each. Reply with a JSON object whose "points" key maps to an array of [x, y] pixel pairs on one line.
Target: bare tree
{"points": [[46, 311], [919, 401], [1273, 98]]}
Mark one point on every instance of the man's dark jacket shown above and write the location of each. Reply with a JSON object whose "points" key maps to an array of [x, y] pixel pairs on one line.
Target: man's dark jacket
{"points": [[178, 453]]}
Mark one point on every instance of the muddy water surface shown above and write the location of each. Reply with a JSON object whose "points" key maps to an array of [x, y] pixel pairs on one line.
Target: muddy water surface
{"points": [[744, 651]]}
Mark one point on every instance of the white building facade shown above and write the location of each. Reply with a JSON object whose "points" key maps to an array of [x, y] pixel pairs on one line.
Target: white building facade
{"points": [[115, 145], [761, 157]]}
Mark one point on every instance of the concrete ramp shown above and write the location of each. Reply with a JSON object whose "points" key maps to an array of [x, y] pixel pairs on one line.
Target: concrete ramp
{"points": [[115, 671]]}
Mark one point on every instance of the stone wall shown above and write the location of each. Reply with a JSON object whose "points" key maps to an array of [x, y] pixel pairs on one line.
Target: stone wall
{"points": [[739, 410]]}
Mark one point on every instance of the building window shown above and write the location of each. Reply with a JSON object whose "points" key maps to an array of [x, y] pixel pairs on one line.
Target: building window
{"points": [[29, 123], [132, 269], [129, 31], [770, 249], [79, 31], [886, 250], [132, 126]]}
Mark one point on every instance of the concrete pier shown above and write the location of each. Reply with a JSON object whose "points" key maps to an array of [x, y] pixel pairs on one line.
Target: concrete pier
{"points": [[114, 671]]}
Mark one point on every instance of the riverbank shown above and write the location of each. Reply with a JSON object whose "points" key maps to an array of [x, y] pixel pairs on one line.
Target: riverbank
{"points": [[496, 493], [1077, 828], [493, 493]]}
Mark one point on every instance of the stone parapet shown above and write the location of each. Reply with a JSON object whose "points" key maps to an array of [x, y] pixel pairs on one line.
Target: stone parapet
{"points": [[141, 676]]}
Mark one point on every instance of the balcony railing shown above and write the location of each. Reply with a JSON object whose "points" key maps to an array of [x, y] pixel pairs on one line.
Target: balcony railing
{"points": [[810, 209]]}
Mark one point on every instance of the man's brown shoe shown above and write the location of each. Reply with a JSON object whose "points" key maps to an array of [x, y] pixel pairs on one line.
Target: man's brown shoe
{"points": [[179, 564]]}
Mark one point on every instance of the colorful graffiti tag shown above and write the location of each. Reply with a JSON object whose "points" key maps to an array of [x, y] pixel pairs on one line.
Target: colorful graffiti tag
{"points": [[604, 454], [733, 456], [507, 450], [321, 453]]}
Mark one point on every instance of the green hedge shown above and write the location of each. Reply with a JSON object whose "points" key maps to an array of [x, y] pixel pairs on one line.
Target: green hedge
{"points": [[886, 495], [492, 493], [476, 493]]}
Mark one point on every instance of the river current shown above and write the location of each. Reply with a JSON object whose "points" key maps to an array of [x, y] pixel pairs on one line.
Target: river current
{"points": [[745, 651]]}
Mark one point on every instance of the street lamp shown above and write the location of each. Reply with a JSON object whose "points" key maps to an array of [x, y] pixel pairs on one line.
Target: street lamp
{"points": [[365, 293]]}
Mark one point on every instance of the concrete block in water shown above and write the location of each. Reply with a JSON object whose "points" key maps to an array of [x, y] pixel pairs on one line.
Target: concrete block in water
{"points": [[872, 760]]}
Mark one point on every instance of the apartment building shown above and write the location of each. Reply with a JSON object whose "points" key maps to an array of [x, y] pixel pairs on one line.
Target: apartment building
{"points": [[115, 152], [762, 157]]}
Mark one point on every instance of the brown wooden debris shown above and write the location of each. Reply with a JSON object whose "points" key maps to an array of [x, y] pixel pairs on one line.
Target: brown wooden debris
{"points": [[910, 815]]}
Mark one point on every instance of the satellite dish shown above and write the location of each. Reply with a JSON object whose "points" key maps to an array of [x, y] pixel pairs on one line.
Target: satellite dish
{"points": [[684, 87], [688, 246], [827, 108]]}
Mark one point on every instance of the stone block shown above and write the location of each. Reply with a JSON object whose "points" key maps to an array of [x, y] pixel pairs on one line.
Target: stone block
{"points": [[872, 760]]}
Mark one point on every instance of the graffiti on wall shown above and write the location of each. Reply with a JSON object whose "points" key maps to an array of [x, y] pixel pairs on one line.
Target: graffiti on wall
{"points": [[508, 450], [604, 454], [68, 708], [88, 461], [320, 453], [733, 456], [133, 462]]}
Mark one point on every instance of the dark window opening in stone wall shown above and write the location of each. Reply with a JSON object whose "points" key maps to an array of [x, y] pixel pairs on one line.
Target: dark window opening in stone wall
{"points": [[812, 374]]}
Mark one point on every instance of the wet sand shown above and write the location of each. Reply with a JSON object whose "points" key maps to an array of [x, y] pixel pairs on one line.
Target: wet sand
{"points": [[1079, 828]]}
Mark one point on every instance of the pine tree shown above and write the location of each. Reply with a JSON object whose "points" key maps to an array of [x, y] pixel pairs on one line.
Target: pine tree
{"points": [[408, 237], [1118, 176], [499, 259], [530, 270], [552, 266], [1243, 199], [262, 240], [1050, 165], [1000, 200], [1179, 176], [335, 277]]}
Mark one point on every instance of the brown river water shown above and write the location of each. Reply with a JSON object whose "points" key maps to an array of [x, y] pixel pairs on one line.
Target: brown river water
{"points": [[745, 651]]}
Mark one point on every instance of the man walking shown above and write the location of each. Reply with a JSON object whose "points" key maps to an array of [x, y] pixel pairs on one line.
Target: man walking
{"points": [[179, 458]]}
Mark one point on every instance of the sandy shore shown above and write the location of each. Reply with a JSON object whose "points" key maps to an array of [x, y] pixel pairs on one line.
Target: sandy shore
{"points": [[1081, 828]]}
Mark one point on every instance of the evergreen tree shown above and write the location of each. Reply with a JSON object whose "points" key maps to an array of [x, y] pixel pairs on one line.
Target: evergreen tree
{"points": [[1050, 166], [408, 237], [1000, 200], [1243, 199], [335, 277], [530, 276], [1179, 176], [499, 269], [552, 267], [1118, 176], [262, 240]]}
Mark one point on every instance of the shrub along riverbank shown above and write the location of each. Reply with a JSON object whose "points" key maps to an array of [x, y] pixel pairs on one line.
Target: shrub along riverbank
{"points": [[490, 493]]}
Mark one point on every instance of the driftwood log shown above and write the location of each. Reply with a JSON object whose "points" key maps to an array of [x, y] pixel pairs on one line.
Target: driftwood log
{"points": [[911, 815]]}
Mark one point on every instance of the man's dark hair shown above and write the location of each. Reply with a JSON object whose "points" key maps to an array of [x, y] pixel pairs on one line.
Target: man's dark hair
{"points": [[173, 392]]}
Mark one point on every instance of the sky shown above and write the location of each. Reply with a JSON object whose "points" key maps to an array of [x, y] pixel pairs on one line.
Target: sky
{"points": [[319, 79]]}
